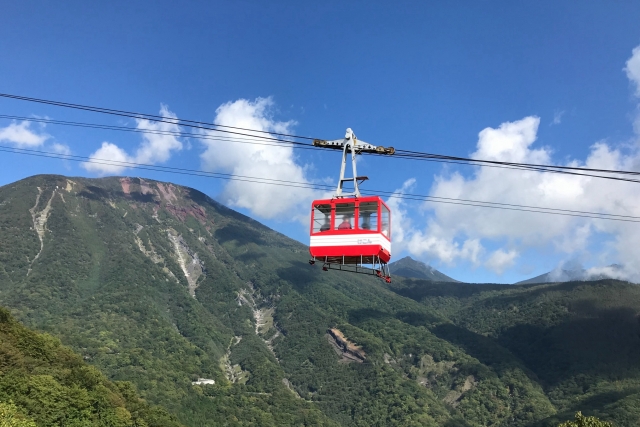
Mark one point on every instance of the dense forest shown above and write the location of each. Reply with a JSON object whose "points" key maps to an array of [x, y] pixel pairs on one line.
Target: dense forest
{"points": [[44, 383], [159, 286]]}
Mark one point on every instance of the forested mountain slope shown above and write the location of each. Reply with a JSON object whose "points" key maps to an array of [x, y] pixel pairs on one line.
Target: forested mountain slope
{"points": [[46, 384], [579, 340], [159, 285]]}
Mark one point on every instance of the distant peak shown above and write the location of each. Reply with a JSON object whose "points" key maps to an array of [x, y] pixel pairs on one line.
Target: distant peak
{"points": [[409, 267], [612, 271]]}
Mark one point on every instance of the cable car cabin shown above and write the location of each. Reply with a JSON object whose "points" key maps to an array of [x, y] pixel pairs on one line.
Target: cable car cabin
{"points": [[351, 231]]}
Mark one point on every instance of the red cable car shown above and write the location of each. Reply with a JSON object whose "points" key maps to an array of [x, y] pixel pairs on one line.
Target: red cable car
{"points": [[349, 231]]}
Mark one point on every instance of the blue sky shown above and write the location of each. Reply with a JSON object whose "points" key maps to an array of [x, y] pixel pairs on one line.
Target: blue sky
{"points": [[550, 78]]}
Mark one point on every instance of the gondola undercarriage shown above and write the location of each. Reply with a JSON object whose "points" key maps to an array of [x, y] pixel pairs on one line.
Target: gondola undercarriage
{"points": [[369, 265]]}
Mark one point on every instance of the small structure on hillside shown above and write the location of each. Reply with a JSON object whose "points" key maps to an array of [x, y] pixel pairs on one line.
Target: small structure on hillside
{"points": [[203, 381]]}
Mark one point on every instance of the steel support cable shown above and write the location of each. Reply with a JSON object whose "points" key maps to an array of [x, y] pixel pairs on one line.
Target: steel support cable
{"points": [[155, 117], [314, 186], [212, 127], [419, 155], [533, 168], [197, 135], [402, 153], [157, 168], [551, 211], [509, 206], [270, 181], [297, 145], [181, 122], [282, 143]]}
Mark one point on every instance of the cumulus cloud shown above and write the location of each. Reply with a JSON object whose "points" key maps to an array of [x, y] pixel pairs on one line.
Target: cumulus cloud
{"points": [[108, 159], [21, 135], [155, 147], [632, 69], [500, 260], [264, 161], [436, 243], [61, 148], [401, 220], [513, 141], [451, 227], [455, 233]]}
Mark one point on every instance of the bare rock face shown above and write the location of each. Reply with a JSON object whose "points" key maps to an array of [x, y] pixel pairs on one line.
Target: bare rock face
{"points": [[262, 315], [40, 221], [347, 349], [192, 267], [182, 212]]}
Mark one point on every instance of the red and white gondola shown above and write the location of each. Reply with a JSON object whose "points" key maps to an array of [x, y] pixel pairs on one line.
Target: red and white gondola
{"points": [[349, 232]]}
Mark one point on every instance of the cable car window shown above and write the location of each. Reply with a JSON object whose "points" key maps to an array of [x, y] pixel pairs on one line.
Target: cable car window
{"points": [[386, 221], [368, 216], [321, 218], [345, 214]]}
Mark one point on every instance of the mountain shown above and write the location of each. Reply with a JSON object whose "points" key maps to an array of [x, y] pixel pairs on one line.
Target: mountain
{"points": [[157, 285], [222, 321], [408, 267], [580, 341], [44, 383], [568, 275]]}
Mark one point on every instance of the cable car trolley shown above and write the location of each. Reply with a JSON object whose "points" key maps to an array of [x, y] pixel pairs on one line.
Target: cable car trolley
{"points": [[350, 232]]}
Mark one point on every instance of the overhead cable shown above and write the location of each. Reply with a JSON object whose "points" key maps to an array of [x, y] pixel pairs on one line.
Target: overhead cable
{"points": [[250, 139], [324, 187], [154, 117], [202, 135], [144, 116], [217, 128]]}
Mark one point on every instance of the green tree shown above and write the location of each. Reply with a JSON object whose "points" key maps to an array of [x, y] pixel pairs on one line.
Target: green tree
{"points": [[582, 421], [10, 416]]}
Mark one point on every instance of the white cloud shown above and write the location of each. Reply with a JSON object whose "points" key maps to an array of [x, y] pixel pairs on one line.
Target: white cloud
{"points": [[401, 221], [61, 148], [610, 271], [500, 260], [22, 136], [437, 242], [456, 232], [513, 141], [432, 243], [277, 163], [155, 147], [632, 69], [575, 240], [108, 159], [557, 117]]}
